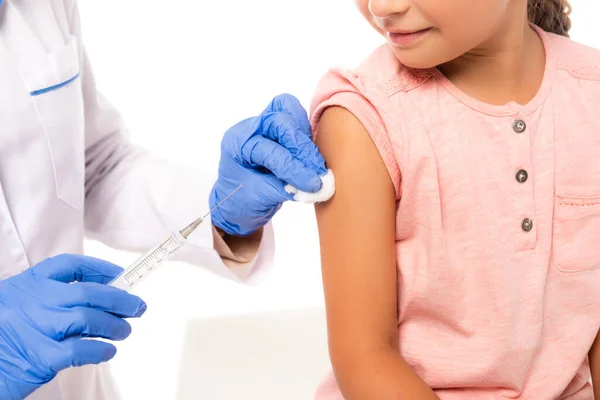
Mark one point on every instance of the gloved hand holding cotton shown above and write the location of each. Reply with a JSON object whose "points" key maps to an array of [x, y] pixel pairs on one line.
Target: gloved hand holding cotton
{"points": [[275, 159]]}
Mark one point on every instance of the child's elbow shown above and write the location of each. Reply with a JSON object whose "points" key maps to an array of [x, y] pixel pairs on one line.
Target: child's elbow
{"points": [[352, 364]]}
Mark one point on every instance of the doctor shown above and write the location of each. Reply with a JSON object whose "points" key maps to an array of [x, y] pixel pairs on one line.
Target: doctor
{"points": [[67, 170]]}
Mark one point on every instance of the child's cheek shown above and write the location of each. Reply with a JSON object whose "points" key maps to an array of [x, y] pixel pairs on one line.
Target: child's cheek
{"points": [[363, 7]]}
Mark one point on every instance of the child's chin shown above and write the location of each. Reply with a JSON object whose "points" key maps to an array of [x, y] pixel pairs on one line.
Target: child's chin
{"points": [[418, 58]]}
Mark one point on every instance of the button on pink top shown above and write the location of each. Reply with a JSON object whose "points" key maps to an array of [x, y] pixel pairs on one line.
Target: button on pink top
{"points": [[498, 224]]}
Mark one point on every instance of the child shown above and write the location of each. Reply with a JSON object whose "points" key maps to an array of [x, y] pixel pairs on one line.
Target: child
{"points": [[461, 251]]}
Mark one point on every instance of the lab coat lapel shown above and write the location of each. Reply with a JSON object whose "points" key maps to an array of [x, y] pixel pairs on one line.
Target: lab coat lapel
{"points": [[19, 39]]}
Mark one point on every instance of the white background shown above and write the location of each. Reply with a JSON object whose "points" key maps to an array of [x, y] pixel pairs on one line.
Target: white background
{"points": [[182, 72]]}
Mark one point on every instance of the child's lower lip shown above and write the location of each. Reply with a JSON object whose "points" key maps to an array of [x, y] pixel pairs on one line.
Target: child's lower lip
{"points": [[407, 38]]}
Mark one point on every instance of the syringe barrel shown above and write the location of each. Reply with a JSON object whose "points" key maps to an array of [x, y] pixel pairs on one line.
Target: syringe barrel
{"points": [[147, 263]]}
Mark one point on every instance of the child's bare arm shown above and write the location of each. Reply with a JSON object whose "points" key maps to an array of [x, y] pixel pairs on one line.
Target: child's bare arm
{"points": [[357, 234], [594, 356]]}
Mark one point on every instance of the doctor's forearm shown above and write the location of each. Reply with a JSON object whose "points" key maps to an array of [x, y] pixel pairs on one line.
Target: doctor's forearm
{"points": [[134, 198]]}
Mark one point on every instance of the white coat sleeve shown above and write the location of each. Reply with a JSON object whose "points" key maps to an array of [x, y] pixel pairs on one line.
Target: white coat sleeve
{"points": [[124, 211]]}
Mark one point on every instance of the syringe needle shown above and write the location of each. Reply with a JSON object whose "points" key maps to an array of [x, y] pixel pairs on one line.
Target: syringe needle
{"points": [[222, 201], [187, 231]]}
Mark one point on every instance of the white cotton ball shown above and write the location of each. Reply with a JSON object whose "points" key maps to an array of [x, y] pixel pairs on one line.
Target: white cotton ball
{"points": [[324, 194]]}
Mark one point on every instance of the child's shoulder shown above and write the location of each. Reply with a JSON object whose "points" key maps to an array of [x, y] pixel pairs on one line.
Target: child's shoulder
{"points": [[579, 60], [382, 71]]}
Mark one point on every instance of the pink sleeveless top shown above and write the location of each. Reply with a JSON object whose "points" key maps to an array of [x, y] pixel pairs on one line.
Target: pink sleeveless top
{"points": [[498, 223]]}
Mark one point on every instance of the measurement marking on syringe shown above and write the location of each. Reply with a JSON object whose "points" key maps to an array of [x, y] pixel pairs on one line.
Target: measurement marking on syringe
{"points": [[149, 262]]}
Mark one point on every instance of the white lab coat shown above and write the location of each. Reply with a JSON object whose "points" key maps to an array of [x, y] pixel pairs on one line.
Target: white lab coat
{"points": [[67, 169]]}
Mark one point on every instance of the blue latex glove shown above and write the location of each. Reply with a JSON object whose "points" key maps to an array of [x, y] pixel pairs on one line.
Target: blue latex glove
{"points": [[265, 153], [43, 319]]}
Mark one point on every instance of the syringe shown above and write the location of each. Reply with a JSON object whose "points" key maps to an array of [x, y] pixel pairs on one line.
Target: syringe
{"points": [[147, 263]]}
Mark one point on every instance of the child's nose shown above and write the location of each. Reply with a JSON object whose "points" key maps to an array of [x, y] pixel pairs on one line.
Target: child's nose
{"points": [[385, 8]]}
